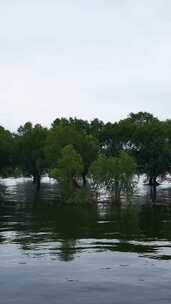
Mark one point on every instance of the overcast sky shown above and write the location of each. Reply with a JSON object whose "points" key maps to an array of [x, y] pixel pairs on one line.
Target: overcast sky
{"points": [[84, 58]]}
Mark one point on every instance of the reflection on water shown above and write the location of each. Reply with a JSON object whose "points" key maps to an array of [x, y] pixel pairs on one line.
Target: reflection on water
{"points": [[37, 226]]}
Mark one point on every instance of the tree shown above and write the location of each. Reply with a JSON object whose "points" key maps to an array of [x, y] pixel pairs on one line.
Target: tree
{"points": [[31, 144], [96, 128], [7, 151], [151, 150], [143, 135], [85, 145], [70, 166], [68, 173], [75, 123], [111, 140], [114, 173]]}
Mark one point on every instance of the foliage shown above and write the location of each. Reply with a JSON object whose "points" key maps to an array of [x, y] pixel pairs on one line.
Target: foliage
{"points": [[61, 136], [68, 174], [114, 173], [79, 196], [70, 166], [31, 145], [7, 152], [73, 147], [145, 138]]}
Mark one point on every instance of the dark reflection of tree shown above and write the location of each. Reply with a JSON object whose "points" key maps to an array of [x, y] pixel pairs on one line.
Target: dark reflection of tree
{"points": [[153, 194], [136, 223], [67, 250], [64, 226], [158, 194], [155, 221], [3, 190], [40, 223], [122, 221], [56, 230], [3, 212]]}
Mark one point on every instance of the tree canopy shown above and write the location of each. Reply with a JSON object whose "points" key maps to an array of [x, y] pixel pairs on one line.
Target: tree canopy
{"points": [[75, 149], [31, 150]]}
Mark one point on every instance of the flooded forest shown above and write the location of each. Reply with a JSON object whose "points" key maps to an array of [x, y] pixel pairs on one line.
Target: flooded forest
{"points": [[85, 211]]}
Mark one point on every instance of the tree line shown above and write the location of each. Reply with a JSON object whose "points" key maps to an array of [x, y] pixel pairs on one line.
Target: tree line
{"points": [[81, 154]]}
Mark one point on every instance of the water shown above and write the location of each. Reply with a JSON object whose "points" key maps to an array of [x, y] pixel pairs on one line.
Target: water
{"points": [[95, 254]]}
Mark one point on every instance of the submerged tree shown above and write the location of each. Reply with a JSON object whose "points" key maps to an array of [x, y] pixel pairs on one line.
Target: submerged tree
{"points": [[7, 152], [144, 136], [115, 174], [68, 173], [85, 145], [35, 150], [152, 151], [69, 167], [31, 145]]}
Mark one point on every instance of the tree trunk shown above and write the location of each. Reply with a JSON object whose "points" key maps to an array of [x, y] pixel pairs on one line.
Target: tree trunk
{"points": [[36, 180], [153, 194], [153, 182], [117, 192], [84, 179]]}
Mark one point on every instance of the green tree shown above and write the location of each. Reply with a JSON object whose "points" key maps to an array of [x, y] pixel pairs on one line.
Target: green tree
{"points": [[31, 145], [68, 173], [144, 136], [7, 151], [70, 166], [96, 128], [75, 123], [111, 140], [85, 145], [115, 174]]}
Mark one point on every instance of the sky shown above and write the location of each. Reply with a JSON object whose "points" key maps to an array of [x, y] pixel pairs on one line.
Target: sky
{"points": [[84, 58]]}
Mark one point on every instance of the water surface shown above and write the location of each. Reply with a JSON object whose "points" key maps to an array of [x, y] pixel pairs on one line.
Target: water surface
{"points": [[100, 253]]}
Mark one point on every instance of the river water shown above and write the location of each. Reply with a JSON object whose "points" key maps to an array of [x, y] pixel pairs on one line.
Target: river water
{"points": [[100, 253]]}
